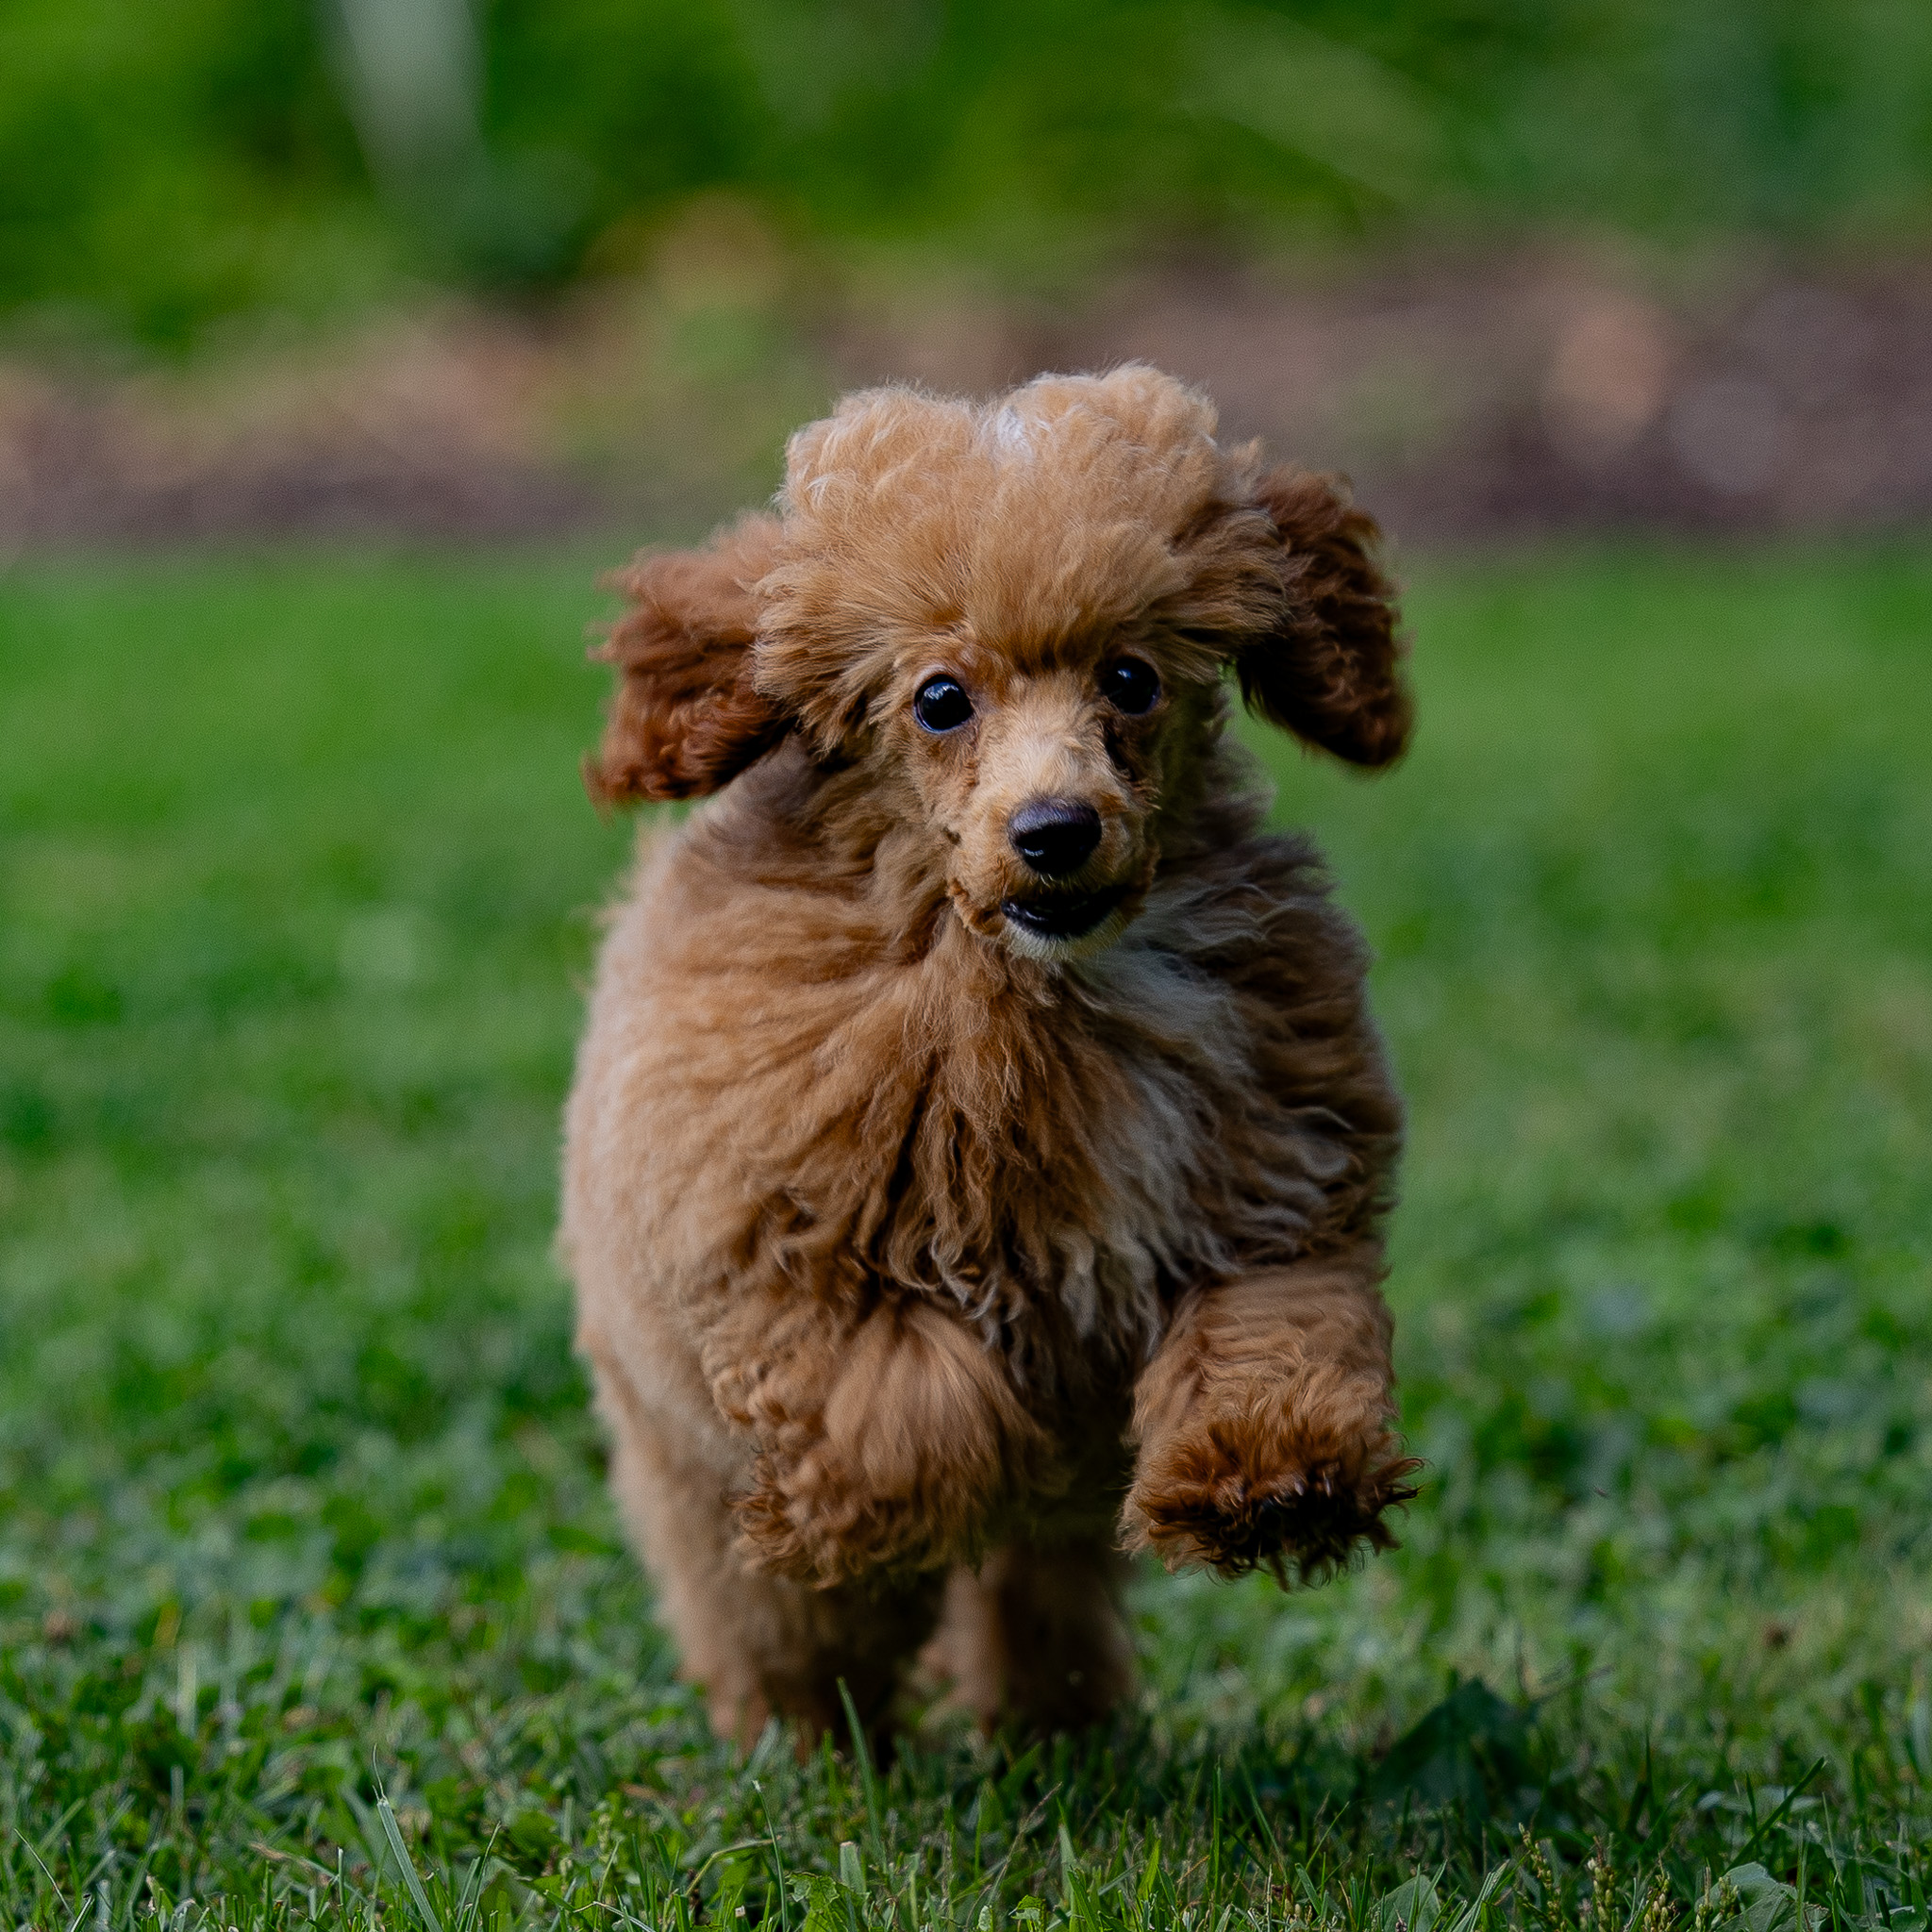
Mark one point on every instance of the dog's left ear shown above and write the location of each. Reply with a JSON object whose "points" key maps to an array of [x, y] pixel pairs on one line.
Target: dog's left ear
{"points": [[1332, 672], [685, 719]]}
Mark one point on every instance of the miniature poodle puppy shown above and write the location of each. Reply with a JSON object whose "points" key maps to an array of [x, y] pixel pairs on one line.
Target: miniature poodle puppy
{"points": [[979, 1145]]}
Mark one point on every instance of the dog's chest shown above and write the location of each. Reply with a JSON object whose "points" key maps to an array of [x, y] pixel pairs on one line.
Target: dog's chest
{"points": [[1066, 1157], [1092, 1193]]}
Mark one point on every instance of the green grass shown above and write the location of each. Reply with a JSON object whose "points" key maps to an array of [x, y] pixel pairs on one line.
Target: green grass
{"points": [[305, 1555]]}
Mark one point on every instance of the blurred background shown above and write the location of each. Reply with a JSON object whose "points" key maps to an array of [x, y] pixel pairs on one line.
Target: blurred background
{"points": [[528, 265]]}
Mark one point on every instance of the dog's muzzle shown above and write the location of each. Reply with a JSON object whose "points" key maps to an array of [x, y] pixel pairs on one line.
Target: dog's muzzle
{"points": [[1065, 917]]}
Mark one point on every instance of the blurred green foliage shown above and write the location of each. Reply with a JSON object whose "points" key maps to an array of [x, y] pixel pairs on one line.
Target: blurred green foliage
{"points": [[159, 168], [164, 167]]}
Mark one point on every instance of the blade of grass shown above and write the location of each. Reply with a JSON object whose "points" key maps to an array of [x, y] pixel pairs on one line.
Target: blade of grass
{"points": [[1790, 1798], [385, 1812], [868, 1781]]}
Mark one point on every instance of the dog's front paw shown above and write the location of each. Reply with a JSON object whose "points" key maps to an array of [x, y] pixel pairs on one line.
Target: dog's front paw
{"points": [[1221, 1497]]}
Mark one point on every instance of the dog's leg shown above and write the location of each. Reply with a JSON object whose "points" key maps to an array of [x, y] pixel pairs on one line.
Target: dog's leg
{"points": [[761, 1645], [1033, 1636], [1264, 1425], [882, 1440]]}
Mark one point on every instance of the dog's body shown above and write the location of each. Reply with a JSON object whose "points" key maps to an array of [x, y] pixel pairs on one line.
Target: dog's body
{"points": [[979, 1142]]}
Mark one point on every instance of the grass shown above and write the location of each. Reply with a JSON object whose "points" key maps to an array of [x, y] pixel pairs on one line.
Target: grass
{"points": [[312, 1606]]}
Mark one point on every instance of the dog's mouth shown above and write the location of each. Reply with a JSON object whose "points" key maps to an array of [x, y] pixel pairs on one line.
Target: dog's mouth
{"points": [[1067, 917]]}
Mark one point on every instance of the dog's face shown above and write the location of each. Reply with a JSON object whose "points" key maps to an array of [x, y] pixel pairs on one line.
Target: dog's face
{"points": [[1013, 621], [1044, 777]]}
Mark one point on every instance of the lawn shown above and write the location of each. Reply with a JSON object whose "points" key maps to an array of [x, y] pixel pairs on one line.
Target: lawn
{"points": [[312, 1603]]}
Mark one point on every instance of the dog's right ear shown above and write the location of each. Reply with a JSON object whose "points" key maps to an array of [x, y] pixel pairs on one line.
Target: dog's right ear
{"points": [[1331, 670], [685, 719]]}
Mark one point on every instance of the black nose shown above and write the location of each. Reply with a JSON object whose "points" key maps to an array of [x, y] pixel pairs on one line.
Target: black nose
{"points": [[1055, 836]]}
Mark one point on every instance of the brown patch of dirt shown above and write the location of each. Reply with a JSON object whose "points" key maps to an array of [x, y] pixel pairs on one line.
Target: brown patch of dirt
{"points": [[1467, 398]]}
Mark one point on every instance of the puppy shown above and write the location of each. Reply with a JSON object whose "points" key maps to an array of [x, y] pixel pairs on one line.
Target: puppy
{"points": [[979, 1145]]}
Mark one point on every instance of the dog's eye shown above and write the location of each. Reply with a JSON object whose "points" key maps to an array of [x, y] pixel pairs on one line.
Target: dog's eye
{"points": [[1130, 684], [941, 704]]}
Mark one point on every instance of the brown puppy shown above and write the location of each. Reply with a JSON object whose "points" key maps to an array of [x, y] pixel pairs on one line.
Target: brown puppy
{"points": [[979, 1143]]}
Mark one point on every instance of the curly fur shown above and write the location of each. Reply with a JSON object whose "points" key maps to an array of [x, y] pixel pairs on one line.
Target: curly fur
{"points": [[923, 1261]]}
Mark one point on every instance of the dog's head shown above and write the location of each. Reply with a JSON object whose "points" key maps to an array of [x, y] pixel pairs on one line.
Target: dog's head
{"points": [[1014, 618]]}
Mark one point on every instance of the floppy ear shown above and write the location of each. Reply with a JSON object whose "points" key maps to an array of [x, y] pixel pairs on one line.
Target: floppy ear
{"points": [[1332, 672], [685, 719]]}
